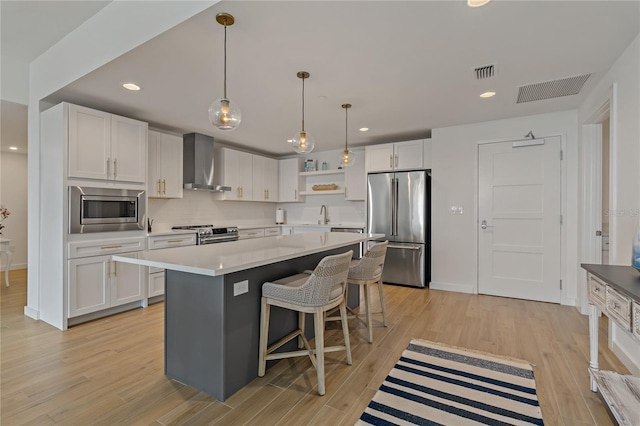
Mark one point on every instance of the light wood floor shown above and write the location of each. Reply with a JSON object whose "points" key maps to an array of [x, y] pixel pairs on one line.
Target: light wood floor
{"points": [[110, 371]]}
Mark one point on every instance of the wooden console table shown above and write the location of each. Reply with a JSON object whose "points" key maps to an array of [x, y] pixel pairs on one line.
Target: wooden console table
{"points": [[615, 292], [5, 248]]}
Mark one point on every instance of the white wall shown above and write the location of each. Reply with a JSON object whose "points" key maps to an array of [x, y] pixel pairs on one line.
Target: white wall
{"points": [[454, 182], [624, 176], [13, 196]]}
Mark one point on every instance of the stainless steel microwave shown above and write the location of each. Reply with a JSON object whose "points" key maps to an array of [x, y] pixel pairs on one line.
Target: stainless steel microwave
{"points": [[105, 209]]}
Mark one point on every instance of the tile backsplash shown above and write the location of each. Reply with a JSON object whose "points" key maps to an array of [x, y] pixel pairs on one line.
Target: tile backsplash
{"points": [[199, 207]]}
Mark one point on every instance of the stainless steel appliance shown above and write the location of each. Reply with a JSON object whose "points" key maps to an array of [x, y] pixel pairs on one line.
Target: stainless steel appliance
{"points": [[209, 234], [356, 230], [198, 163], [399, 206], [106, 209]]}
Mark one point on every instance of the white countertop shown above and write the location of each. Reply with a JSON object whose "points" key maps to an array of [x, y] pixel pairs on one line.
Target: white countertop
{"points": [[224, 258]]}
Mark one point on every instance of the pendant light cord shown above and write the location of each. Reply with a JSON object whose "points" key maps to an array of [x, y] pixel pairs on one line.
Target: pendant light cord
{"points": [[303, 104], [225, 59], [346, 121]]}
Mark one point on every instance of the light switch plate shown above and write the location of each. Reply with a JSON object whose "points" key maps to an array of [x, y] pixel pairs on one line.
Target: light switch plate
{"points": [[240, 287]]}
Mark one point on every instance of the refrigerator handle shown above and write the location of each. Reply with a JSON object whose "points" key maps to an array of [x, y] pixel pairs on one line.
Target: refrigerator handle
{"points": [[395, 201], [393, 206]]}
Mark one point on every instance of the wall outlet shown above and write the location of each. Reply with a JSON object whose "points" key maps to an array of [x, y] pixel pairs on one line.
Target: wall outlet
{"points": [[241, 287], [457, 210]]}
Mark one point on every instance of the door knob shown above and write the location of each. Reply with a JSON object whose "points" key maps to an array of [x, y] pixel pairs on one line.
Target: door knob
{"points": [[484, 225]]}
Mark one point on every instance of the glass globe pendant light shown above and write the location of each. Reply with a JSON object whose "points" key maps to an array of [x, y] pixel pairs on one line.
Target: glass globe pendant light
{"points": [[303, 142], [224, 114], [348, 157]]}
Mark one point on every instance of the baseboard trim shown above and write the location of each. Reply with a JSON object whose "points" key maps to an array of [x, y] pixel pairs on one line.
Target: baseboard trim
{"points": [[31, 313], [458, 288]]}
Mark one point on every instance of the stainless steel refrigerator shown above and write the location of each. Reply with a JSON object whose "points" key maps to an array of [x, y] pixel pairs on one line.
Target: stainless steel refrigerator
{"points": [[399, 206]]}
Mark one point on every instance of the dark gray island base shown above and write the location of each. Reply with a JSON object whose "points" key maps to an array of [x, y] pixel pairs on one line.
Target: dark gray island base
{"points": [[212, 336]]}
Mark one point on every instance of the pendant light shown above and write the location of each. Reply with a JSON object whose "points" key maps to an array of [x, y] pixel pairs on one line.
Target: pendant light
{"points": [[303, 142], [224, 114], [348, 157]]}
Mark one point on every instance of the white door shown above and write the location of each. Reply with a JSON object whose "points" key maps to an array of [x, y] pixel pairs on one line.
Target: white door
{"points": [[127, 282], [408, 155], [89, 143], [519, 220]]}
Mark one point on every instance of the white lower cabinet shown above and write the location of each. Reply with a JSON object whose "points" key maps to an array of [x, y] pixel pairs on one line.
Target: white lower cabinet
{"points": [[250, 233], [97, 283], [271, 232], [156, 282], [155, 278]]}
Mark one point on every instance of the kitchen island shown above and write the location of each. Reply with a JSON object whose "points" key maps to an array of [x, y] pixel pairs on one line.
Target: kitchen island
{"points": [[212, 302]]}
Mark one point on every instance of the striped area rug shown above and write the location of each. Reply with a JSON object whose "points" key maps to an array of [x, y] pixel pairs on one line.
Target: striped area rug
{"points": [[434, 384]]}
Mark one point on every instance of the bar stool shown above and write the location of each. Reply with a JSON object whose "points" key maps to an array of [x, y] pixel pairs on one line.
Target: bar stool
{"points": [[368, 271], [322, 290]]}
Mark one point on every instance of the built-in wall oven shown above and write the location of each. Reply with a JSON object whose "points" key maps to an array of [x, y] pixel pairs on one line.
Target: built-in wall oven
{"points": [[106, 209]]}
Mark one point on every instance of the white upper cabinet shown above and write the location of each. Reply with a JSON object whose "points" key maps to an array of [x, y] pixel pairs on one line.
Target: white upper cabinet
{"points": [[265, 179], [89, 143], [355, 181], [105, 146], [251, 177], [165, 166], [289, 180], [235, 170], [394, 156]]}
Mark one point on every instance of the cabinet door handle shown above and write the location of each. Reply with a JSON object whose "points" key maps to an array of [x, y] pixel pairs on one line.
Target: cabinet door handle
{"points": [[115, 167], [164, 186], [391, 161], [295, 194], [396, 161], [108, 268], [242, 192], [108, 168], [159, 192], [115, 268], [115, 246], [345, 192]]}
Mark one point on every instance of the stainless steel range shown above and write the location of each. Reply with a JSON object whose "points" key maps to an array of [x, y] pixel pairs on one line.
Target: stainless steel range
{"points": [[209, 234]]}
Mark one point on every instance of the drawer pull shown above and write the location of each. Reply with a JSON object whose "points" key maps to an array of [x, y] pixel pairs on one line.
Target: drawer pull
{"points": [[596, 290], [174, 241], [111, 247], [616, 305], [252, 233]]}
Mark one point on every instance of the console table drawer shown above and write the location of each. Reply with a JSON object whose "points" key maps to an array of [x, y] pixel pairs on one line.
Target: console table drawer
{"points": [[619, 307], [636, 319], [597, 292]]}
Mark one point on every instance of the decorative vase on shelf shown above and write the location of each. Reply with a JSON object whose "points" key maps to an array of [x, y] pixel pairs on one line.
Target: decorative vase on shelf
{"points": [[635, 250]]}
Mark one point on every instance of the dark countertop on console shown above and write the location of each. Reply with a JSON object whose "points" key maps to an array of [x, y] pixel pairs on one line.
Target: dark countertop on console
{"points": [[625, 279]]}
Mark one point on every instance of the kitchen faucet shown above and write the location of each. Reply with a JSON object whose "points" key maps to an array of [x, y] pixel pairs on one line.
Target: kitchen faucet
{"points": [[324, 219]]}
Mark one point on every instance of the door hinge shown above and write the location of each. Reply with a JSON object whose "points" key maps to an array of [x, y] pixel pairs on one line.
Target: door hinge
{"points": [[560, 284], [561, 155]]}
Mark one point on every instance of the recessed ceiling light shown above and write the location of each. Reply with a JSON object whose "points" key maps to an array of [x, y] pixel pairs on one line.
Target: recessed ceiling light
{"points": [[487, 94], [131, 86], [364, 129], [477, 3], [290, 140], [13, 148]]}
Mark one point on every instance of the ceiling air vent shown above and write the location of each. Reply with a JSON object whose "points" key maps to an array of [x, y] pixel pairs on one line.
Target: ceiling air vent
{"points": [[486, 71], [552, 89]]}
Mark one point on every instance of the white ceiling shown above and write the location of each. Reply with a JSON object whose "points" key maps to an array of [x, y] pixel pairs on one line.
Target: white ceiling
{"points": [[405, 66]]}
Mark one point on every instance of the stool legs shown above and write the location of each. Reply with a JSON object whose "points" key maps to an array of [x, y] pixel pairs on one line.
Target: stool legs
{"points": [[318, 321], [265, 310], [367, 306], [384, 310], [301, 318], [345, 331]]}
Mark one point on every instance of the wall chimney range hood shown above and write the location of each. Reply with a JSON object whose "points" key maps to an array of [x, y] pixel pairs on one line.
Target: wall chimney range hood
{"points": [[198, 163]]}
